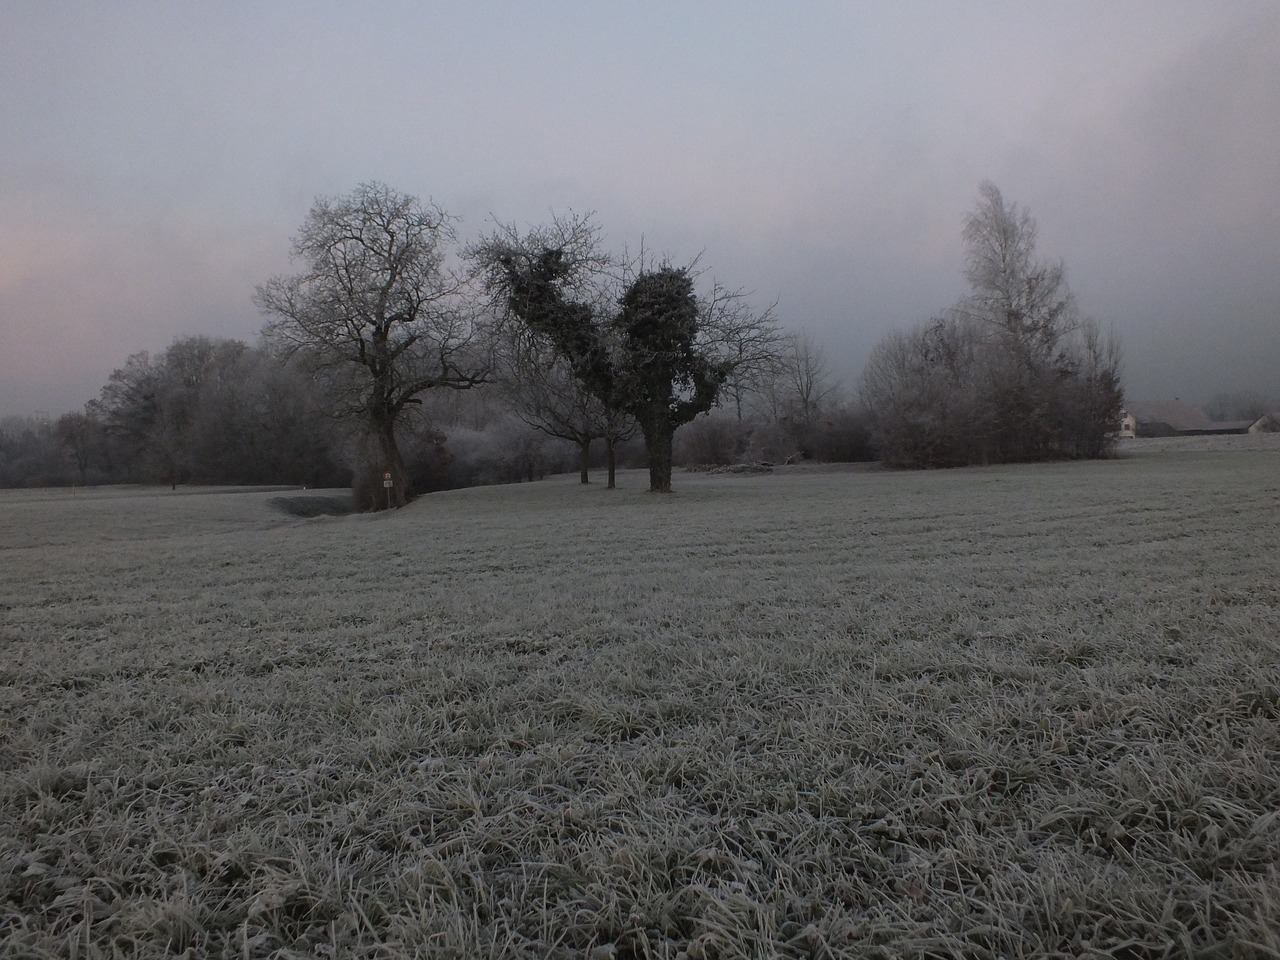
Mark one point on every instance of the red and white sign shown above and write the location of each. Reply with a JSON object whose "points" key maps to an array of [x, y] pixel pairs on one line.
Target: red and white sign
{"points": [[387, 475]]}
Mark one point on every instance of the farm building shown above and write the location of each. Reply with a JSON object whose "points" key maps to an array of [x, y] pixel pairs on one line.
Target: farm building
{"points": [[1176, 418]]}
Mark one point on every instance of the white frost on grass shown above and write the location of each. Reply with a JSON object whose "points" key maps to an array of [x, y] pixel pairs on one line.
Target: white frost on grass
{"points": [[1023, 711]]}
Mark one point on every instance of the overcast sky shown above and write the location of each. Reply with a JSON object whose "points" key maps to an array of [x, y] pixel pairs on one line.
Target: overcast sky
{"points": [[156, 158]]}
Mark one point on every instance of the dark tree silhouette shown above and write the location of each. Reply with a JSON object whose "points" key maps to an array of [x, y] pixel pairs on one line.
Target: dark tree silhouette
{"points": [[665, 380], [654, 351]]}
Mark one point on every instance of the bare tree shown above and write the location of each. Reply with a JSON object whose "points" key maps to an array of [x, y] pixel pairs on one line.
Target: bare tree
{"points": [[749, 341], [377, 313], [798, 390], [806, 379], [543, 392], [1023, 297], [258, 420], [1093, 393], [30, 453], [144, 408], [922, 390], [77, 435]]}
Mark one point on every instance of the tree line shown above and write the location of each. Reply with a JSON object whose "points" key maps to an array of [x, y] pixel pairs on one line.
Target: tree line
{"points": [[205, 410], [1012, 372], [371, 355]]}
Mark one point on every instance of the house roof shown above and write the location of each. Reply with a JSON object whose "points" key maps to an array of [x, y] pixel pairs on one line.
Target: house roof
{"points": [[1176, 413], [1185, 418]]}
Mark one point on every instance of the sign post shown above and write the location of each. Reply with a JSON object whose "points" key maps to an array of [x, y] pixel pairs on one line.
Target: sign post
{"points": [[388, 483]]}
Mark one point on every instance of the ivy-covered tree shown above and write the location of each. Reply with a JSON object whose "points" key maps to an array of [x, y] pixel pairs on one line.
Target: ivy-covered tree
{"points": [[663, 379], [644, 345]]}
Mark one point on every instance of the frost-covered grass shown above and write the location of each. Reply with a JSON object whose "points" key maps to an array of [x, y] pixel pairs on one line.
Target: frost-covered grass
{"points": [[1020, 711]]}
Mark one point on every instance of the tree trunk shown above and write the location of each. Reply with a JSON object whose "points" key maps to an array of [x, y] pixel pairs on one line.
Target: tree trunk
{"points": [[393, 463], [611, 459], [584, 445], [657, 437]]}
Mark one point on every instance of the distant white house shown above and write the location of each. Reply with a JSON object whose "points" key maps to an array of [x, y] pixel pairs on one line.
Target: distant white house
{"points": [[1175, 418]]}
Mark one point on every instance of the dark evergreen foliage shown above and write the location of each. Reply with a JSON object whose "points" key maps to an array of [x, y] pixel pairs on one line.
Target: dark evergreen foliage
{"points": [[643, 357]]}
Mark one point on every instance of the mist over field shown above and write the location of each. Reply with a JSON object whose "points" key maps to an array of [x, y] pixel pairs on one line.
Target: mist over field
{"points": [[1018, 711]]}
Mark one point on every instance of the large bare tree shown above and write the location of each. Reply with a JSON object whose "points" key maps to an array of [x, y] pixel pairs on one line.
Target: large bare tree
{"points": [[377, 313]]}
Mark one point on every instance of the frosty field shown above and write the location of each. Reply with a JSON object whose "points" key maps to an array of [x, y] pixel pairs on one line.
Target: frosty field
{"points": [[999, 712]]}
